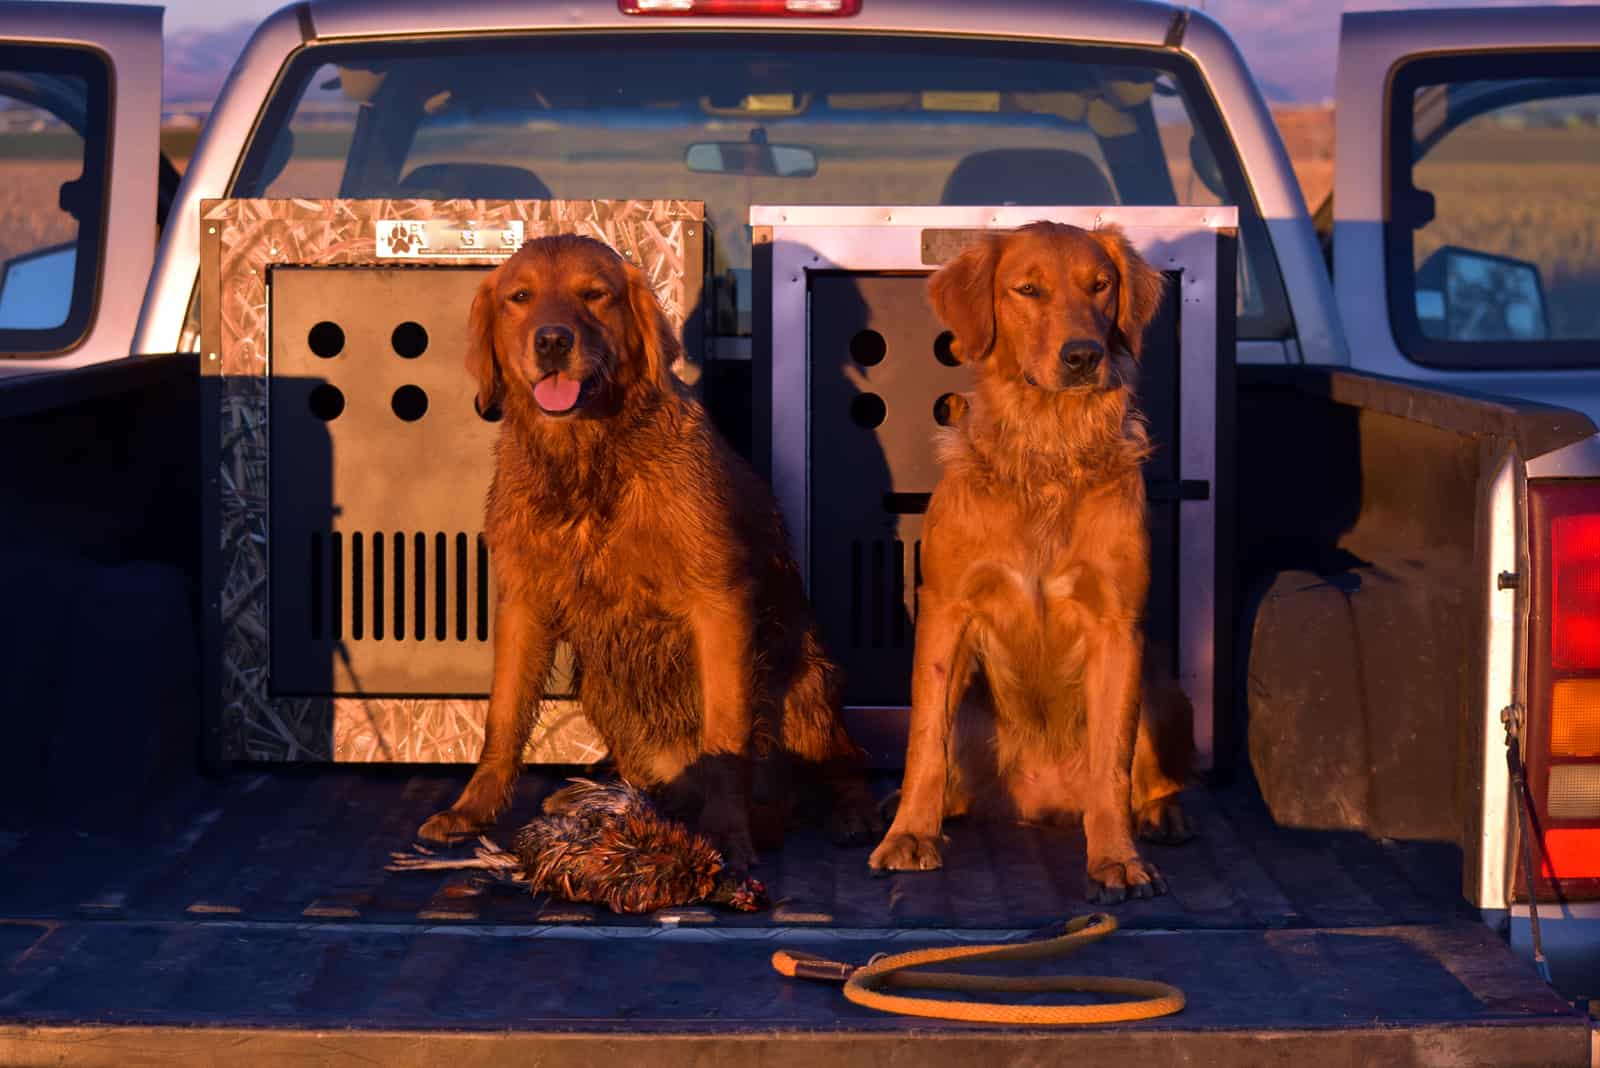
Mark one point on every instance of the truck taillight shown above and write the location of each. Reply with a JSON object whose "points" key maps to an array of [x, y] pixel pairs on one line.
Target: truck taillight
{"points": [[739, 7], [1563, 742]]}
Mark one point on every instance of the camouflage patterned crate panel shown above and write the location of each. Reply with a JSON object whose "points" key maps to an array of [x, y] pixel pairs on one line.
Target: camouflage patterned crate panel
{"points": [[349, 591]]}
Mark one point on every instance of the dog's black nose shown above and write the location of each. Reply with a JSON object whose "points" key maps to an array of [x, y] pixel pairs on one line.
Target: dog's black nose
{"points": [[1082, 355], [552, 343]]}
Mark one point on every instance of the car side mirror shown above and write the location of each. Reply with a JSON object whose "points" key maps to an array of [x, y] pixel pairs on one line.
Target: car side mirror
{"points": [[36, 287], [1466, 295]]}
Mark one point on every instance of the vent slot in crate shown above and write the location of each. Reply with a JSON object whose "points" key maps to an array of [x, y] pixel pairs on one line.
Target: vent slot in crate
{"points": [[364, 586]]}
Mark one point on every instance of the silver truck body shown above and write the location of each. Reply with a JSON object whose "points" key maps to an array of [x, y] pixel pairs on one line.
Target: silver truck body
{"points": [[156, 288], [1108, 22]]}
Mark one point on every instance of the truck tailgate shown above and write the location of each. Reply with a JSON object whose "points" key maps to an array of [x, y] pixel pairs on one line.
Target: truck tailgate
{"points": [[253, 915]]}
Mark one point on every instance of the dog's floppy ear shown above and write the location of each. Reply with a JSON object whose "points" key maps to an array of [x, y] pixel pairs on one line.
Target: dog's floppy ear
{"points": [[649, 331], [482, 363], [962, 295], [1139, 288]]}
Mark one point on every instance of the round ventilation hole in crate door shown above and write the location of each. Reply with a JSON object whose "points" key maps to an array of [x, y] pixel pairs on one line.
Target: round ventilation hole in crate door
{"points": [[409, 403], [867, 410], [326, 339], [409, 340], [868, 348], [491, 414], [949, 408], [326, 402]]}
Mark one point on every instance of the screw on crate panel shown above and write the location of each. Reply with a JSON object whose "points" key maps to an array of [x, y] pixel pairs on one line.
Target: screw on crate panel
{"points": [[1508, 580]]}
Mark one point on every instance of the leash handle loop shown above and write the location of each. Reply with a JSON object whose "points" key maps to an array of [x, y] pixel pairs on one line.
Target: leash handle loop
{"points": [[1146, 999]]}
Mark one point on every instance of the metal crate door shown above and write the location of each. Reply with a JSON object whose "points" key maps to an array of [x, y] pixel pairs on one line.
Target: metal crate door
{"points": [[381, 580], [881, 382]]}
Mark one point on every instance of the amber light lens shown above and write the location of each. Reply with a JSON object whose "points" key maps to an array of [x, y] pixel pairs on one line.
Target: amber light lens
{"points": [[1575, 718]]}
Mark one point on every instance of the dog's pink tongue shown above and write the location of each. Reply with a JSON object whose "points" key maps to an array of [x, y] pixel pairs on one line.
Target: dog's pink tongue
{"points": [[556, 393]]}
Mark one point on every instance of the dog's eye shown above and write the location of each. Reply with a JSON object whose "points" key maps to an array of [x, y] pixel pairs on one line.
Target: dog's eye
{"points": [[521, 296], [592, 295], [1100, 285], [1027, 289]]}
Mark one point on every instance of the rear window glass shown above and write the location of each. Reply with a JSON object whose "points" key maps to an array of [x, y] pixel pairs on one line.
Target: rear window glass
{"points": [[1493, 237], [736, 120], [53, 106]]}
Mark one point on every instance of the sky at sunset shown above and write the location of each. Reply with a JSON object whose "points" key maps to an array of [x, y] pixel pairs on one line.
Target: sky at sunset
{"points": [[1290, 44]]}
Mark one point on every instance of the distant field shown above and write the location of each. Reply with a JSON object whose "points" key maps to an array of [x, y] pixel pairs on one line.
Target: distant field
{"points": [[1308, 135], [1548, 214], [1484, 201], [24, 188], [30, 217], [1491, 206]]}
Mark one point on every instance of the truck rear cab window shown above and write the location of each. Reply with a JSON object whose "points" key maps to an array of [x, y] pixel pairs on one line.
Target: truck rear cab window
{"points": [[736, 120], [1492, 237], [55, 107]]}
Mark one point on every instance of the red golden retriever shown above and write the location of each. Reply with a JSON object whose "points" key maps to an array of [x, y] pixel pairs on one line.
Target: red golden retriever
{"points": [[1026, 690], [620, 521]]}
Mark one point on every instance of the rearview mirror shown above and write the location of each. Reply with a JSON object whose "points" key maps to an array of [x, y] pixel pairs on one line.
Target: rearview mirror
{"points": [[753, 158], [1466, 295]]}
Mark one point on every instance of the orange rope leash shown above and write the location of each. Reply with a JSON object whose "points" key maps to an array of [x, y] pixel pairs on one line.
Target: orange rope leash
{"points": [[1148, 998]]}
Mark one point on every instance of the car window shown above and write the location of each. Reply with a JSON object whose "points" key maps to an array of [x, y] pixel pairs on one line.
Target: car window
{"points": [[53, 108], [1494, 231], [736, 120]]}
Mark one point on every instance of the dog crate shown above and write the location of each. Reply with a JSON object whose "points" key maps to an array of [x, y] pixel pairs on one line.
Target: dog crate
{"points": [[861, 375], [349, 590]]}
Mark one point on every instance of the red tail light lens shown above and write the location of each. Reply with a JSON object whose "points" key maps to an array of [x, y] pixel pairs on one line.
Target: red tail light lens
{"points": [[1571, 854], [812, 8], [1575, 591], [1563, 739]]}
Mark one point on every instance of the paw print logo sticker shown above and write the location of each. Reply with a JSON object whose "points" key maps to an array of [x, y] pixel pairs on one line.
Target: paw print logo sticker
{"points": [[404, 239]]}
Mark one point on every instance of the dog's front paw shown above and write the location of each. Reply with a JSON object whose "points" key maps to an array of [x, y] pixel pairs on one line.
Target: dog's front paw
{"points": [[1164, 822], [902, 851], [728, 827], [854, 818], [1111, 881], [736, 846], [451, 825]]}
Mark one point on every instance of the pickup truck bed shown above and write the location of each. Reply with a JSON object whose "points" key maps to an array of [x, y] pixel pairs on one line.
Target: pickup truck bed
{"points": [[257, 904]]}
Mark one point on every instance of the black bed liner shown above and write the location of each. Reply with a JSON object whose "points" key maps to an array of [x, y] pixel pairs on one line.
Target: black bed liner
{"points": [[257, 911]]}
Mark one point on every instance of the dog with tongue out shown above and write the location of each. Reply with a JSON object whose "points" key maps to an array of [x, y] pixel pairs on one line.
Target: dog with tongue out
{"points": [[621, 522], [557, 391]]}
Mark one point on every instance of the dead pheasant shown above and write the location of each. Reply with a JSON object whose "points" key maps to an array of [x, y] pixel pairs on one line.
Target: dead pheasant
{"points": [[606, 843]]}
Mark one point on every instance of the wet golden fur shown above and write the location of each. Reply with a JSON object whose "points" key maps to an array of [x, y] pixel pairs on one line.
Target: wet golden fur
{"points": [[629, 528], [1026, 688]]}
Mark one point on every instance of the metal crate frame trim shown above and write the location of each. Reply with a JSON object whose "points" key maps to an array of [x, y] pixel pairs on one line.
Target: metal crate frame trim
{"points": [[820, 238]]}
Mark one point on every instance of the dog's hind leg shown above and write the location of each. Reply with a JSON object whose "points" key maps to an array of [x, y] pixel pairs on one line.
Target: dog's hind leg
{"points": [[1163, 760], [814, 735]]}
